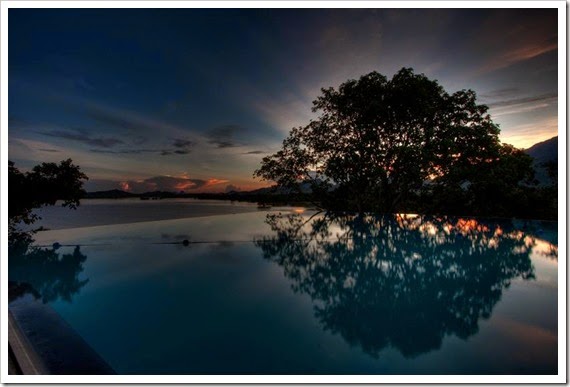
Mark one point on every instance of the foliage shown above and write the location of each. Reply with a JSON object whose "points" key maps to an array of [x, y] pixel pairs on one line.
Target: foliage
{"points": [[379, 144], [44, 185], [494, 189], [42, 272]]}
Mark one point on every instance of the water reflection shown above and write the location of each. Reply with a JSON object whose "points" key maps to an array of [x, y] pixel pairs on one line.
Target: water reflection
{"points": [[44, 273], [403, 281]]}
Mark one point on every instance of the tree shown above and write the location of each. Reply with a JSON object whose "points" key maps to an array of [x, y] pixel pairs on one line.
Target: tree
{"points": [[377, 142], [492, 189], [44, 185]]}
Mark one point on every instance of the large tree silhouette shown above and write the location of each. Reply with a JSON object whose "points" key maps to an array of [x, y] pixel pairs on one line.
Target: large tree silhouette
{"points": [[377, 142], [398, 281]]}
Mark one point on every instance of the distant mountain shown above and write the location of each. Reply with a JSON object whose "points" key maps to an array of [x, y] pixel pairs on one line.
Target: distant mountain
{"points": [[111, 194], [544, 152]]}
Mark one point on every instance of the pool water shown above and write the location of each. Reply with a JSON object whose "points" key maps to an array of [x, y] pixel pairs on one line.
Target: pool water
{"points": [[300, 292]]}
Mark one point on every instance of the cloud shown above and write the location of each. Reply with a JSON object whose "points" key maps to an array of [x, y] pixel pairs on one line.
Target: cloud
{"points": [[174, 152], [182, 143], [504, 43], [519, 101], [522, 105], [180, 146], [125, 151], [231, 187], [137, 125], [523, 53], [112, 118], [85, 138], [168, 183], [223, 136], [254, 152], [500, 93], [48, 150]]}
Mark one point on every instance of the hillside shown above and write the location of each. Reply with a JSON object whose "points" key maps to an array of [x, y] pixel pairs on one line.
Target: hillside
{"points": [[544, 152]]}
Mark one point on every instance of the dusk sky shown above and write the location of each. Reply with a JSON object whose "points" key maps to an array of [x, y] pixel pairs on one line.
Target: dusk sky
{"points": [[190, 99]]}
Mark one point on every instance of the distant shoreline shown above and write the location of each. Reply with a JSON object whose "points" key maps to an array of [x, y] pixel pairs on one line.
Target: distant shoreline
{"points": [[111, 212]]}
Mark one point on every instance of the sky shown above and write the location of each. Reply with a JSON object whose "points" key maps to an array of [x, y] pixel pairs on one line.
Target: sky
{"points": [[192, 99]]}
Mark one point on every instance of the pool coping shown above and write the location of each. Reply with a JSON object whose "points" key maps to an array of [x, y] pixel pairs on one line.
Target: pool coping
{"points": [[27, 360], [43, 343]]}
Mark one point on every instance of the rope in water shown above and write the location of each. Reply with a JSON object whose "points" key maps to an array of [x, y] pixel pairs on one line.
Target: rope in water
{"points": [[185, 242]]}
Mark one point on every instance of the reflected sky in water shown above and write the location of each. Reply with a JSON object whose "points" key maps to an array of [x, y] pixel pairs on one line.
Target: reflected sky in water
{"points": [[305, 292]]}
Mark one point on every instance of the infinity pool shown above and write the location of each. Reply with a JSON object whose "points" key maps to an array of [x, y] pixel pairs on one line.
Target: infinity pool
{"points": [[300, 292]]}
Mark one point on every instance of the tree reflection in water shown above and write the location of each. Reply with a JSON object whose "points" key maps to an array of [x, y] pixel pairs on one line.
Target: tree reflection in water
{"points": [[403, 281], [43, 272]]}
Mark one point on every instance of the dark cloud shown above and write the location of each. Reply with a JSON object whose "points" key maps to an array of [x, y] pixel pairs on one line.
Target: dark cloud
{"points": [[126, 151], [501, 93], [48, 150], [118, 121], [223, 144], [162, 152], [550, 97], [85, 138], [254, 152], [168, 152], [231, 187], [182, 143], [224, 136]]}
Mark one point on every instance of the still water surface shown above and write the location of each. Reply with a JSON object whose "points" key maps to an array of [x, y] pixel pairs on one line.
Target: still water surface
{"points": [[297, 292]]}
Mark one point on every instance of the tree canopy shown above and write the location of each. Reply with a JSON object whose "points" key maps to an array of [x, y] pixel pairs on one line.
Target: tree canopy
{"points": [[379, 144], [44, 185]]}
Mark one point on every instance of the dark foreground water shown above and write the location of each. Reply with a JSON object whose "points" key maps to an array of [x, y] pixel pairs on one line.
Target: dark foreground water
{"points": [[302, 293]]}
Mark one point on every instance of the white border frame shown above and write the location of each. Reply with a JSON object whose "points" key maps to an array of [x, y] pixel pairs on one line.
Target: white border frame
{"points": [[5, 5]]}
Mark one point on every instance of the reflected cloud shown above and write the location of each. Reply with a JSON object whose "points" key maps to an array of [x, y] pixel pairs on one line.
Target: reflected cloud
{"points": [[402, 281]]}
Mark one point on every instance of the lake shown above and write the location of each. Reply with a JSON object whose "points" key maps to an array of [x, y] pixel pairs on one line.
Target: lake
{"points": [[238, 290]]}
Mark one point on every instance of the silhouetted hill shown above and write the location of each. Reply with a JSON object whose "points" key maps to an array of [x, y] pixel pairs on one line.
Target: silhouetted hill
{"points": [[269, 195], [543, 153], [112, 194]]}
